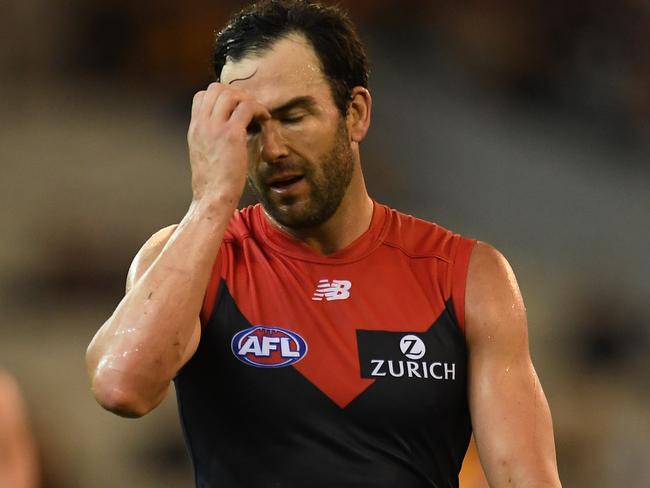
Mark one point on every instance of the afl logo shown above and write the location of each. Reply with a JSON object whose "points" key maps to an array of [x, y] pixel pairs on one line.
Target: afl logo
{"points": [[268, 347]]}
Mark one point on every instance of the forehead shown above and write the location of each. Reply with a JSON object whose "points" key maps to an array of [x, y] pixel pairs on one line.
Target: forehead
{"points": [[289, 69]]}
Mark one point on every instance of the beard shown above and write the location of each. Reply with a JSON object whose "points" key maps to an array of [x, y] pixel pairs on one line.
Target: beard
{"points": [[328, 180]]}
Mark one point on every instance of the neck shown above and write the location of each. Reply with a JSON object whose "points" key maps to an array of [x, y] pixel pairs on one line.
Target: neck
{"points": [[348, 223]]}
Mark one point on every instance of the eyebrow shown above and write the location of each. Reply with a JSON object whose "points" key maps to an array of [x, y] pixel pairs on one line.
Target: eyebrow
{"points": [[306, 102]]}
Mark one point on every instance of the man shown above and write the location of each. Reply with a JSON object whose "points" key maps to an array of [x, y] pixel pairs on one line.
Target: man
{"points": [[319, 339]]}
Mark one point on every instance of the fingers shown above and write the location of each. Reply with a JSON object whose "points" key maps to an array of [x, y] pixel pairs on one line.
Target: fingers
{"points": [[221, 103], [248, 111], [196, 103], [226, 103], [211, 94]]}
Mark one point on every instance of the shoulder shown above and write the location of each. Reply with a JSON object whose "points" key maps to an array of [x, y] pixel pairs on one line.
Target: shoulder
{"points": [[490, 277], [158, 240], [155, 244], [149, 251], [493, 301], [420, 238]]}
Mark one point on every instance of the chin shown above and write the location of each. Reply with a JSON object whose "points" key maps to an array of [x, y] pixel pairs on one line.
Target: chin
{"points": [[300, 211], [301, 216], [293, 218]]}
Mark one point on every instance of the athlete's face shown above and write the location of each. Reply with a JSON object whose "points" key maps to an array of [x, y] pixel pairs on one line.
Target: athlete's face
{"points": [[301, 161]]}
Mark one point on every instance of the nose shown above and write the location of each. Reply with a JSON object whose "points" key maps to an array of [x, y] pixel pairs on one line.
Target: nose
{"points": [[273, 144]]}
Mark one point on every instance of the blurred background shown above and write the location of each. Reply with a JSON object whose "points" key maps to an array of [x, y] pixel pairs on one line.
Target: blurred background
{"points": [[525, 123]]}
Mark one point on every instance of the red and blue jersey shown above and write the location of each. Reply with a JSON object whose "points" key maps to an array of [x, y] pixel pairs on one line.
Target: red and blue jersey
{"points": [[345, 370]]}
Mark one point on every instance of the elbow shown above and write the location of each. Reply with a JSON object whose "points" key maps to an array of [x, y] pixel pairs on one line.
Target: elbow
{"points": [[120, 395], [120, 402]]}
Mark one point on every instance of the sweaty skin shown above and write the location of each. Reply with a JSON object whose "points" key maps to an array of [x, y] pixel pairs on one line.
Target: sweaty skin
{"points": [[251, 126], [510, 416]]}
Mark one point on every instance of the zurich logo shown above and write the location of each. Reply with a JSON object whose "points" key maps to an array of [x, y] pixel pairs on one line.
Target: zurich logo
{"points": [[268, 347]]}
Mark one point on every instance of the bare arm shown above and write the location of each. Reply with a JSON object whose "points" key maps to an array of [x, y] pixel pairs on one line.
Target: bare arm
{"points": [[510, 415], [155, 329], [18, 465]]}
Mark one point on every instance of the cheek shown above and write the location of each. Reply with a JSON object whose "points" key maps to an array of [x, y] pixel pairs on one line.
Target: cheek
{"points": [[310, 140]]}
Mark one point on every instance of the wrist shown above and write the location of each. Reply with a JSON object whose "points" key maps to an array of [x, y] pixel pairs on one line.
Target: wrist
{"points": [[214, 207]]}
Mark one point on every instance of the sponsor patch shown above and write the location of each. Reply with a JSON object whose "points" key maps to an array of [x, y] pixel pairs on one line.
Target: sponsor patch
{"points": [[415, 356], [268, 347]]}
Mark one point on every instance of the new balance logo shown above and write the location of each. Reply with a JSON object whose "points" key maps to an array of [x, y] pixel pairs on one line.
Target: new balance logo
{"points": [[332, 290]]}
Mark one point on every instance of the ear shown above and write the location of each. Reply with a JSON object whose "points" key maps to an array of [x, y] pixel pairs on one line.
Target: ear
{"points": [[358, 116]]}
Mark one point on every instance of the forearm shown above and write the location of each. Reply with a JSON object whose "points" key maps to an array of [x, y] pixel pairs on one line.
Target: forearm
{"points": [[141, 346], [515, 436]]}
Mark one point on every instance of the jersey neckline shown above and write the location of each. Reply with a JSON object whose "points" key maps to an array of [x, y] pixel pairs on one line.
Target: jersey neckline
{"points": [[282, 242]]}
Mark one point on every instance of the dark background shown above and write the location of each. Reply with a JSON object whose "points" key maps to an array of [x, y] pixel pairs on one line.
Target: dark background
{"points": [[523, 123]]}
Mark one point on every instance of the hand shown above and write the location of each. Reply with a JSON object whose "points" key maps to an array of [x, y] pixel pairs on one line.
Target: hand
{"points": [[217, 140]]}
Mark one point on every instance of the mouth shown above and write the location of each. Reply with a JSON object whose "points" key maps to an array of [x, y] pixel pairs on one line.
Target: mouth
{"points": [[284, 182]]}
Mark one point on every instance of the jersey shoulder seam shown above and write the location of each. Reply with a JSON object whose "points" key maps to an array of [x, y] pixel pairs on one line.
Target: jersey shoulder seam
{"points": [[419, 255]]}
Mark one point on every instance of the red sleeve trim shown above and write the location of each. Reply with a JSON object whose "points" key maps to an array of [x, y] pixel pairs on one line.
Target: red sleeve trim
{"points": [[211, 290], [459, 278]]}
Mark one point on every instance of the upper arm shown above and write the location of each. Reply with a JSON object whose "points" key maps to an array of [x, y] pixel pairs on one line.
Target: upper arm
{"points": [[510, 415]]}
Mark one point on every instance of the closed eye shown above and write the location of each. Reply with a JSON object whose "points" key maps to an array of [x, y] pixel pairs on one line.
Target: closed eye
{"points": [[292, 119]]}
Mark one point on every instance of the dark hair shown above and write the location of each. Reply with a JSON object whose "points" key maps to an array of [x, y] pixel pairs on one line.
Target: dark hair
{"points": [[329, 30]]}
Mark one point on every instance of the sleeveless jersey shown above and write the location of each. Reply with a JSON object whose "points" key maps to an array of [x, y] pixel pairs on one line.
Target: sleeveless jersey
{"points": [[338, 371]]}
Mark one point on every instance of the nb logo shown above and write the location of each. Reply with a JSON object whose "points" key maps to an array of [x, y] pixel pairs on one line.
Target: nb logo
{"points": [[412, 347], [334, 290]]}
